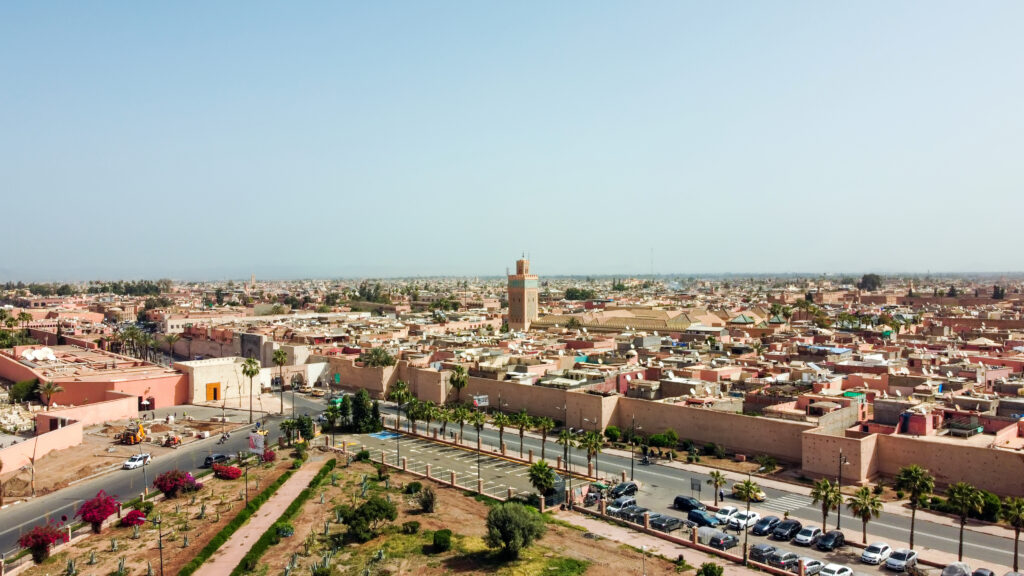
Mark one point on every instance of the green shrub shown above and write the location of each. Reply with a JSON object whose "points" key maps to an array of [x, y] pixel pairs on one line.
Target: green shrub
{"points": [[710, 569], [658, 441], [512, 527], [768, 463], [443, 540], [612, 433], [878, 489], [383, 472], [990, 508], [284, 529], [296, 464], [410, 527], [145, 507], [671, 436], [362, 456], [413, 487], [427, 499], [900, 494], [23, 390]]}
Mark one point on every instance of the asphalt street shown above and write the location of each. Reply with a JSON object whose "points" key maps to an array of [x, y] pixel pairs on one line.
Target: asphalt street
{"points": [[660, 484], [128, 484]]}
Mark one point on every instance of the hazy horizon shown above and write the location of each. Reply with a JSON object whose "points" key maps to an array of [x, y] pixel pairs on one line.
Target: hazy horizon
{"points": [[212, 141]]}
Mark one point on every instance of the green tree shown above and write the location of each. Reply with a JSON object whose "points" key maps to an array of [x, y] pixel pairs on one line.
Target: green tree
{"points": [[542, 477], [501, 420], [458, 380], [1013, 513], [376, 357], [47, 390], [717, 481], [919, 484], [478, 419], [250, 369], [305, 427], [592, 443], [280, 359], [460, 415], [545, 425], [864, 505], [512, 527], [288, 428], [828, 495], [362, 413], [332, 415], [964, 500], [399, 394], [567, 439], [521, 420], [709, 569], [870, 282], [171, 340]]}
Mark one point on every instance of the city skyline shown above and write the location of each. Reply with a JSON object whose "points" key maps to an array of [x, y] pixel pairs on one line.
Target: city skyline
{"points": [[403, 139]]}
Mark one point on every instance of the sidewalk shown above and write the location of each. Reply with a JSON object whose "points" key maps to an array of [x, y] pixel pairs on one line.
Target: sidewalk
{"points": [[232, 552]]}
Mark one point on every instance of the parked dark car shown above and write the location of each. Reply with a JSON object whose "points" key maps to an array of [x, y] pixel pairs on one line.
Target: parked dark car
{"points": [[703, 518], [783, 559], [983, 572], [666, 523], [831, 540], [764, 526], [215, 459], [623, 489], [724, 541], [634, 514], [761, 552], [687, 503], [787, 530]]}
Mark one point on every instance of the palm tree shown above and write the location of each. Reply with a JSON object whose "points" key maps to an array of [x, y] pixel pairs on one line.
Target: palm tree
{"points": [[747, 490], [460, 414], [522, 421], [864, 505], [444, 416], [250, 369], [545, 425], [964, 499], [171, 340], [501, 420], [716, 480], [592, 443], [1013, 513], [47, 390], [280, 359], [413, 413], [566, 438], [458, 380], [917, 482], [477, 419], [287, 428], [399, 394], [542, 477], [828, 495], [24, 318], [428, 413]]}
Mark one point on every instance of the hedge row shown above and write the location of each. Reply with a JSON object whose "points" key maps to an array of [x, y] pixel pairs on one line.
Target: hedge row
{"points": [[256, 551], [234, 525]]}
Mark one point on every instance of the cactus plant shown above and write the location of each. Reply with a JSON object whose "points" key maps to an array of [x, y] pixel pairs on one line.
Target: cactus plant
{"points": [[135, 532], [113, 544], [202, 511], [70, 570], [92, 558]]}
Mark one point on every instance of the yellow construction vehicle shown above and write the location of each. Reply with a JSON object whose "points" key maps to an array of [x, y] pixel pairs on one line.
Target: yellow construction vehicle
{"points": [[133, 433]]}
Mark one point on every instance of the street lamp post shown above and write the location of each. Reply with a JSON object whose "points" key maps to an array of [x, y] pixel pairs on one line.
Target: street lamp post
{"points": [[160, 541], [839, 487], [596, 472], [643, 555], [632, 445], [746, 527], [145, 477]]}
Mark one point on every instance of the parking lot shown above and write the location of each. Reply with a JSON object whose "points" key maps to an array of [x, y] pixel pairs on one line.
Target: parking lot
{"points": [[498, 474]]}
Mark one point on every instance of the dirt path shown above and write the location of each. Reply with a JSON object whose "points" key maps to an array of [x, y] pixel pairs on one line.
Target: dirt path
{"points": [[232, 552]]}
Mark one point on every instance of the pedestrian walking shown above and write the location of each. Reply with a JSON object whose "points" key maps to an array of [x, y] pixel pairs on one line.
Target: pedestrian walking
{"points": [[721, 494]]}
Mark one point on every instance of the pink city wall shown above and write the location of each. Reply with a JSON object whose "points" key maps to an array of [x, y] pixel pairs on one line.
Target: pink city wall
{"points": [[118, 406], [169, 390], [20, 454], [997, 470]]}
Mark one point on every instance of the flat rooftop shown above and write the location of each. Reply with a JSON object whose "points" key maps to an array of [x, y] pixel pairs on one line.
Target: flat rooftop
{"points": [[74, 363]]}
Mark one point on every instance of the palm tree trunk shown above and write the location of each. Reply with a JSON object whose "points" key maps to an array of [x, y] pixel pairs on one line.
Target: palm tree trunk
{"points": [[864, 533], [543, 442], [520, 443], [280, 374], [824, 514], [913, 516], [960, 550], [1016, 548], [715, 490]]}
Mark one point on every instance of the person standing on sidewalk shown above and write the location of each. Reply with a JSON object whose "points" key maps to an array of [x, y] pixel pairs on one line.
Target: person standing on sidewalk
{"points": [[721, 494]]}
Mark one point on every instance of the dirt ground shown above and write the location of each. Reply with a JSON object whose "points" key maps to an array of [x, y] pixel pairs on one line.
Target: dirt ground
{"points": [[180, 518], [99, 452], [455, 510]]}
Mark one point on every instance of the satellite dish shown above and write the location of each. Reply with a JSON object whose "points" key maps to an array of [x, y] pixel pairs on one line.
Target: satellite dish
{"points": [[899, 394], [628, 378], [707, 389], [949, 374]]}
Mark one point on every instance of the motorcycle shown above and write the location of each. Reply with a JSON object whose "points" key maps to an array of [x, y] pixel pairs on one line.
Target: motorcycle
{"points": [[646, 461]]}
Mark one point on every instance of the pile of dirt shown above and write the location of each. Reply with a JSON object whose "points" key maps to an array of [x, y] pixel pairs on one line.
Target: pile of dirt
{"points": [[158, 428]]}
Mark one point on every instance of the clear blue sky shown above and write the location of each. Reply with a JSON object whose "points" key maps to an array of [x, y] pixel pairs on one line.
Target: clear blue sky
{"points": [[211, 139]]}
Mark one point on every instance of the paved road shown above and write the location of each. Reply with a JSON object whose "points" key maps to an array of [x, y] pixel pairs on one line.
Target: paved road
{"points": [[127, 484], [660, 485]]}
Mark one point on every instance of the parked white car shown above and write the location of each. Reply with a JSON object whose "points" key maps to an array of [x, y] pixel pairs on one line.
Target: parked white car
{"points": [[137, 461], [876, 553], [901, 559], [835, 570], [808, 536], [725, 513], [743, 520], [812, 566]]}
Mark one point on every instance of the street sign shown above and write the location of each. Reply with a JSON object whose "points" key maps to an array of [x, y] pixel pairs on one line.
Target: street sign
{"points": [[695, 485], [337, 378], [481, 401], [256, 442]]}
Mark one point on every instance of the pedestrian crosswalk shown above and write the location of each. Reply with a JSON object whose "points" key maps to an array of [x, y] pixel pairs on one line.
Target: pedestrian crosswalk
{"points": [[788, 503]]}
